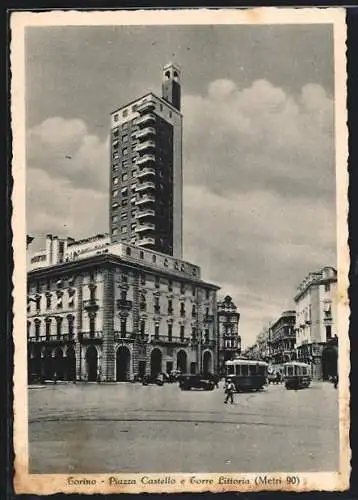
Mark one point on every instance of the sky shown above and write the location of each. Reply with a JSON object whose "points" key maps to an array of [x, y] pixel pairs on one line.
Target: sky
{"points": [[258, 145]]}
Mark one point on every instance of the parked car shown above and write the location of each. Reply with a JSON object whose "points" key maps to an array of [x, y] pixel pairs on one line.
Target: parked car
{"points": [[197, 381], [153, 379]]}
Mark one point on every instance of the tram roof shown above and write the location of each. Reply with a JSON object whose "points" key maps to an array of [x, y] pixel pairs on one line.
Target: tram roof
{"points": [[241, 361], [295, 363]]}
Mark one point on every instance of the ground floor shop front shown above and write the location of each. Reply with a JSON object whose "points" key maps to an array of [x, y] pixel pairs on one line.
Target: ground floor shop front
{"points": [[120, 362], [322, 357]]}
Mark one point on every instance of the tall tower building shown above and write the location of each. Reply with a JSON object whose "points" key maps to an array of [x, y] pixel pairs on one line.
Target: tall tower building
{"points": [[146, 186]]}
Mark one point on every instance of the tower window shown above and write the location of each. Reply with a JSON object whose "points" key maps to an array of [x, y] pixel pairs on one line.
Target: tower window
{"points": [[115, 117], [125, 113], [167, 74], [128, 250], [141, 254]]}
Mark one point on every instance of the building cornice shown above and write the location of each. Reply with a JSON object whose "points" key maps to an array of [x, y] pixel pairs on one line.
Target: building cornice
{"points": [[74, 266]]}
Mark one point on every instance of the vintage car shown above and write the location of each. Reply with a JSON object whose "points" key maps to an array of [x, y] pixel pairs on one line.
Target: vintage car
{"points": [[197, 381], [153, 379]]}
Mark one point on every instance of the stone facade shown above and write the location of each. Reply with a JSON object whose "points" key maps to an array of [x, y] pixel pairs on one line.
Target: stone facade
{"points": [[112, 315], [316, 320]]}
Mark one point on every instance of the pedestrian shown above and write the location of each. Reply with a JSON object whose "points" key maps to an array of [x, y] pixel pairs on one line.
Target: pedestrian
{"points": [[229, 391]]}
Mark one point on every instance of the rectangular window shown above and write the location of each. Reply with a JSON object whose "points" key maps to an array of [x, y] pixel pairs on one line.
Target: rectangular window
{"points": [[125, 151], [157, 282], [170, 332], [125, 164], [124, 177], [125, 138], [156, 331], [123, 326], [124, 114], [193, 291], [134, 108], [134, 173], [114, 219], [133, 226], [170, 306], [115, 193], [142, 279], [124, 216], [115, 232], [115, 132], [48, 329], [115, 117], [142, 327], [207, 294], [115, 181], [123, 229], [170, 285], [182, 332], [328, 332], [327, 287]]}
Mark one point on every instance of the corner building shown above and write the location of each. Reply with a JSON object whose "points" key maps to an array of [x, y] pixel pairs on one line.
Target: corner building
{"points": [[283, 339], [146, 169], [229, 339], [119, 310], [316, 322]]}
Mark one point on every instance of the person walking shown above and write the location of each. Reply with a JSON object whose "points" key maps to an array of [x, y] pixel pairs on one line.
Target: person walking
{"points": [[229, 390]]}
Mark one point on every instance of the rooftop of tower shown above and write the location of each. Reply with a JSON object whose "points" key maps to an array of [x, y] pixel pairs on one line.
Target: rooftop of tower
{"points": [[146, 96]]}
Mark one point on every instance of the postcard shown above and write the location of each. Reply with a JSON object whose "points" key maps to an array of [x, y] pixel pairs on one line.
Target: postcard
{"points": [[180, 249]]}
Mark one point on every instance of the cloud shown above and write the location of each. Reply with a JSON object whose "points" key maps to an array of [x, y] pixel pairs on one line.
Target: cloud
{"points": [[259, 183], [65, 150], [260, 137]]}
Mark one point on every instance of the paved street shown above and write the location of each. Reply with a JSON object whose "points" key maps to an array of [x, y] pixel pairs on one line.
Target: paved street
{"points": [[131, 428]]}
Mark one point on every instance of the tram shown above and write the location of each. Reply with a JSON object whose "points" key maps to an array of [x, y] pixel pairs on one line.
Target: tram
{"points": [[247, 374], [297, 375]]}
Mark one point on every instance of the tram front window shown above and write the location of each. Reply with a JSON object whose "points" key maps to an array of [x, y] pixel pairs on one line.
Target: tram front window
{"points": [[261, 370], [252, 370], [290, 370], [238, 370], [231, 370], [245, 370]]}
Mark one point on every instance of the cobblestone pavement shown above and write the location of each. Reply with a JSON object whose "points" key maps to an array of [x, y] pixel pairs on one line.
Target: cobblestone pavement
{"points": [[131, 428]]}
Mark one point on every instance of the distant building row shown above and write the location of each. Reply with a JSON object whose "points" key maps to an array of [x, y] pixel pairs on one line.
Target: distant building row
{"points": [[308, 333]]}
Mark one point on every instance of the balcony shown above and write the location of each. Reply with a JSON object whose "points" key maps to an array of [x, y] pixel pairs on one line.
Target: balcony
{"points": [[145, 146], [147, 198], [146, 106], [145, 213], [146, 132], [145, 172], [146, 120], [87, 337], [145, 186], [121, 336], [173, 341], [124, 305], [145, 159], [52, 339], [91, 305], [146, 241], [145, 227]]}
